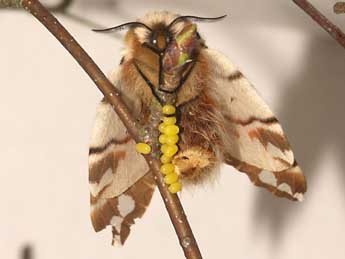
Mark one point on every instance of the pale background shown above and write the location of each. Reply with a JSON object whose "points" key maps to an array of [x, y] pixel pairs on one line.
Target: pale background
{"points": [[47, 106]]}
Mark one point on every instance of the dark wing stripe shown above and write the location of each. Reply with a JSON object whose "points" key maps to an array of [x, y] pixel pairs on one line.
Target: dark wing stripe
{"points": [[97, 150], [250, 120], [235, 76], [122, 60]]}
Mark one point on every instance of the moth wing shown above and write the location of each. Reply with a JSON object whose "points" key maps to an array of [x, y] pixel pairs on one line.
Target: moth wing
{"points": [[114, 164], [121, 185], [121, 211], [256, 143], [289, 183]]}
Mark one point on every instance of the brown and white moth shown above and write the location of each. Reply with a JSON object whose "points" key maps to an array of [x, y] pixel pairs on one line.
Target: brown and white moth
{"points": [[221, 117]]}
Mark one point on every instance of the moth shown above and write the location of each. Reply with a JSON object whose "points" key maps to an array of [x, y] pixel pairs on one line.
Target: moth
{"points": [[221, 116]]}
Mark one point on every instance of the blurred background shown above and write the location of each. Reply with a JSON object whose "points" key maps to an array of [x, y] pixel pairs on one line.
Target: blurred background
{"points": [[47, 108]]}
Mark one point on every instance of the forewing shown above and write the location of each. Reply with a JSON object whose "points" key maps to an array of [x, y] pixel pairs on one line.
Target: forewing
{"points": [[255, 143], [256, 136], [114, 164]]}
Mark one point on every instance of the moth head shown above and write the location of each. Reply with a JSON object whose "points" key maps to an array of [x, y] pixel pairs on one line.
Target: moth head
{"points": [[164, 44]]}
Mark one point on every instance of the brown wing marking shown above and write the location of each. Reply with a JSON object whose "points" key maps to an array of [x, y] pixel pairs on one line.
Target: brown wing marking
{"points": [[252, 119], [289, 183], [260, 142], [100, 168], [121, 211], [111, 167]]}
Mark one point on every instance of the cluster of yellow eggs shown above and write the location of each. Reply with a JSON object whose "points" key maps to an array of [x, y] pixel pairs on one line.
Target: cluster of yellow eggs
{"points": [[168, 138]]}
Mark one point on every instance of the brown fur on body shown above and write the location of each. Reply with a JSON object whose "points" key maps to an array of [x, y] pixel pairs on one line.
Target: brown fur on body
{"points": [[199, 117], [201, 143]]}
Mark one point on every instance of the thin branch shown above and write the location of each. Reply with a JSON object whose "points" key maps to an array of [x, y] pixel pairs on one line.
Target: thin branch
{"points": [[172, 202], [59, 7], [326, 24], [339, 8]]}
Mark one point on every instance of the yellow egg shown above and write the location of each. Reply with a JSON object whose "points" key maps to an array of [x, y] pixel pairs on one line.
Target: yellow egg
{"points": [[171, 140], [171, 178], [169, 120], [164, 148], [175, 187], [169, 150], [163, 139], [165, 159], [143, 148], [162, 127], [171, 130], [167, 168], [169, 109]]}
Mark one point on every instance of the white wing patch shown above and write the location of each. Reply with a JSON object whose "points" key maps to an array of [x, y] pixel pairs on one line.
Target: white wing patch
{"points": [[116, 222], [299, 196], [126, 205], [284, 187], [268, 178]]}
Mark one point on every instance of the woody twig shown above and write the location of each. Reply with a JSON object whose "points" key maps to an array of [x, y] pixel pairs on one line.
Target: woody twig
{"points": [[172, 202], [326, 24]]}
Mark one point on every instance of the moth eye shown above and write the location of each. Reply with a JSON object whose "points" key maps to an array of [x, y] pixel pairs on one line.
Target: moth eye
{"points": [[154, 38], [185, 158]]}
